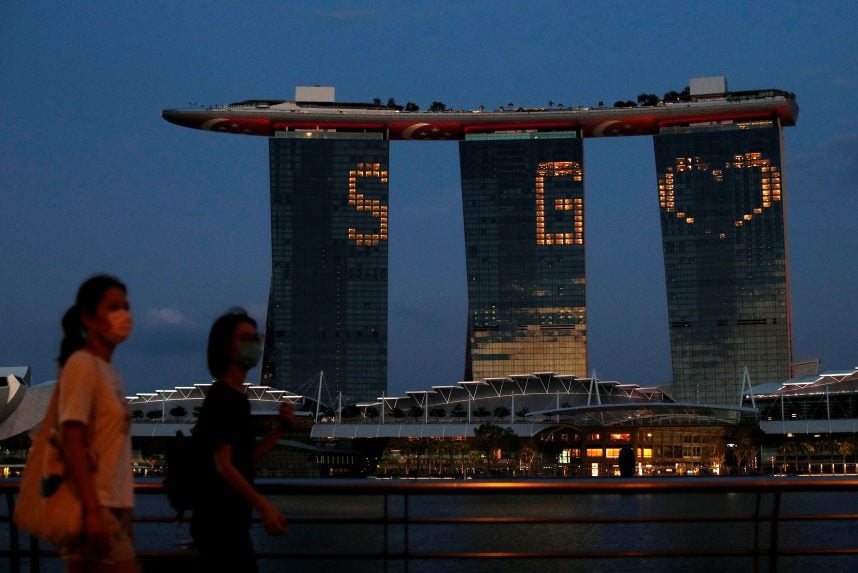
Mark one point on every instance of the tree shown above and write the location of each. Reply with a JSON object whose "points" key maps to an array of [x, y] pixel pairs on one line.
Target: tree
{"points": [[647, 99], [745, 442], [458, 411], [415, 412], [481, 412], [397, 413], [671, 97], [787, 449], [522, 412], [619, 103], [178, 412], [492, 440], [438, 412], [808, 448], [372, 413], [137, 414], [526, 456], [153, 415], [501, 412], [376, 102], [845, 447], [411, 106], [437, 106], [391, 103]]}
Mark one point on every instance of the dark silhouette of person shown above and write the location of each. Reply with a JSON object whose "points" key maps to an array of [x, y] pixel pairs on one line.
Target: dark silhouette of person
{"points": [[627, 462]]}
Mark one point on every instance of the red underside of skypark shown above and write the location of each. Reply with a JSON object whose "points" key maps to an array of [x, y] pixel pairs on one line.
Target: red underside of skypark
{"points": [[602, 122]]}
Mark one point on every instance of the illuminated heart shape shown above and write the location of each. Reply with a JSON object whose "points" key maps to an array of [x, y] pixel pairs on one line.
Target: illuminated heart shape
{"points": [[770, 184]]}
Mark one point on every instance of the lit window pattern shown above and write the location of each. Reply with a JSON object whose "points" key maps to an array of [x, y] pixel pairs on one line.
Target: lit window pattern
{"points": [[372, 206], [770, 183], [575, 205]]}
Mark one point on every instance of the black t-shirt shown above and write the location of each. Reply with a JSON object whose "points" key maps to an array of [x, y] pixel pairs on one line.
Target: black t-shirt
{"points": [[224, 419]]}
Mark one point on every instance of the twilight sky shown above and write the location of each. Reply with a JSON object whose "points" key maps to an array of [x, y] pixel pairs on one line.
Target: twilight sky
{"points": [[93, 180]]}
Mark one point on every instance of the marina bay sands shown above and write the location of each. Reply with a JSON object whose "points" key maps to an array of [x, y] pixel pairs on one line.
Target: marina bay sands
{"points": [[721, 192]]}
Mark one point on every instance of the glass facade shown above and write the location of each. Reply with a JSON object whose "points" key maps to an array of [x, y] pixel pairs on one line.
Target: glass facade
{"points": [[328, 301], [721, 196], [523, 199]]}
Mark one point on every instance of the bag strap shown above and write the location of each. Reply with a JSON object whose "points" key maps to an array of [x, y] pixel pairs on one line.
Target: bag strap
{"points": [[52, 418]]}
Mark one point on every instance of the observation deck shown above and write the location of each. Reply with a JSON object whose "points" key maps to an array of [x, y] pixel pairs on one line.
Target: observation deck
{"points": [[265, 117]]}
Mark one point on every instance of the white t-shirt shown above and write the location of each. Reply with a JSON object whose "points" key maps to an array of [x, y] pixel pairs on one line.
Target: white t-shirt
{"points": [[92, 393]]}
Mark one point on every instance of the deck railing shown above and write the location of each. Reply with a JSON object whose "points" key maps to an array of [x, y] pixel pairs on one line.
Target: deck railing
{"points": [[751, 524]]}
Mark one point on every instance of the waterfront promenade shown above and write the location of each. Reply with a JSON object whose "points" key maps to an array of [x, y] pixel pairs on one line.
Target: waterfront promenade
{"points": [[597, 524]]}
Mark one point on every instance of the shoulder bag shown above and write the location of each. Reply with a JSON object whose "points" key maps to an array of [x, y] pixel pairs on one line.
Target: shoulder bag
{"points": [[48, 505]]}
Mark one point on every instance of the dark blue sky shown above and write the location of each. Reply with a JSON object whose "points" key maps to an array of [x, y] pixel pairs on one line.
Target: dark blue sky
{"points": [[92, 179]]}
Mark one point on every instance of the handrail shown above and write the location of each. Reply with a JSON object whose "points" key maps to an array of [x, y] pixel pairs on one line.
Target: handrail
{"points": [[403, 514]]}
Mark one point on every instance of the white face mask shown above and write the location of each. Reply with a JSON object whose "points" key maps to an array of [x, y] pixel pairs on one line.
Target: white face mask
{"points": [[121, 324]]}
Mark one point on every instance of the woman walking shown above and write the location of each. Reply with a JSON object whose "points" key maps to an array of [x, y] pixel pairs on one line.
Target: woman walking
{"points": [[95, 426], [220, 525]]}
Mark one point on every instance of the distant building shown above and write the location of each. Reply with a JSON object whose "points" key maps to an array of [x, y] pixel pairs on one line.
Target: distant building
{"points": [[328, 302], [721, 193], [523, 197]]}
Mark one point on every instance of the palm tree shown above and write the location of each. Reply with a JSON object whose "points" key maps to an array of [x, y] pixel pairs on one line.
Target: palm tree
{"points": [[808, 448], [458, 411], [828, 445], [845, 447], [481, 412], [501, 412], [785, 449], [178, 412], [438, 413], [415, 412]]}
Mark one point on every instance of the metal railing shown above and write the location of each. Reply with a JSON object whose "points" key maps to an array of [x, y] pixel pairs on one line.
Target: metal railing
{"points": [[754, 523]]}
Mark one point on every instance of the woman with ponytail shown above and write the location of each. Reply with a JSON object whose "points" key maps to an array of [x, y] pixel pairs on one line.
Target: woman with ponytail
{"points": [[95, 426]]}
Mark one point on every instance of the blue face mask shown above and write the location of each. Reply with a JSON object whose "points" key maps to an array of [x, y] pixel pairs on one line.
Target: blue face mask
{"points": [[249, 354]]}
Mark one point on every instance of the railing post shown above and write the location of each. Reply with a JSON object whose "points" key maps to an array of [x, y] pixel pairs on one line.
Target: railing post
{"points": [[407, 547], [386, 528], [14, 545], [35, 558], [757, 530], [773, 542]]}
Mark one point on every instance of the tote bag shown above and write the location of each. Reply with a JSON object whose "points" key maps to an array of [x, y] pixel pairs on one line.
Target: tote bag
{"points": [[48, 505]]}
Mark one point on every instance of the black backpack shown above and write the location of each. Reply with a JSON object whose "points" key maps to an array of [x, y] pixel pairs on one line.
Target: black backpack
{"points": [[183, 480]]}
